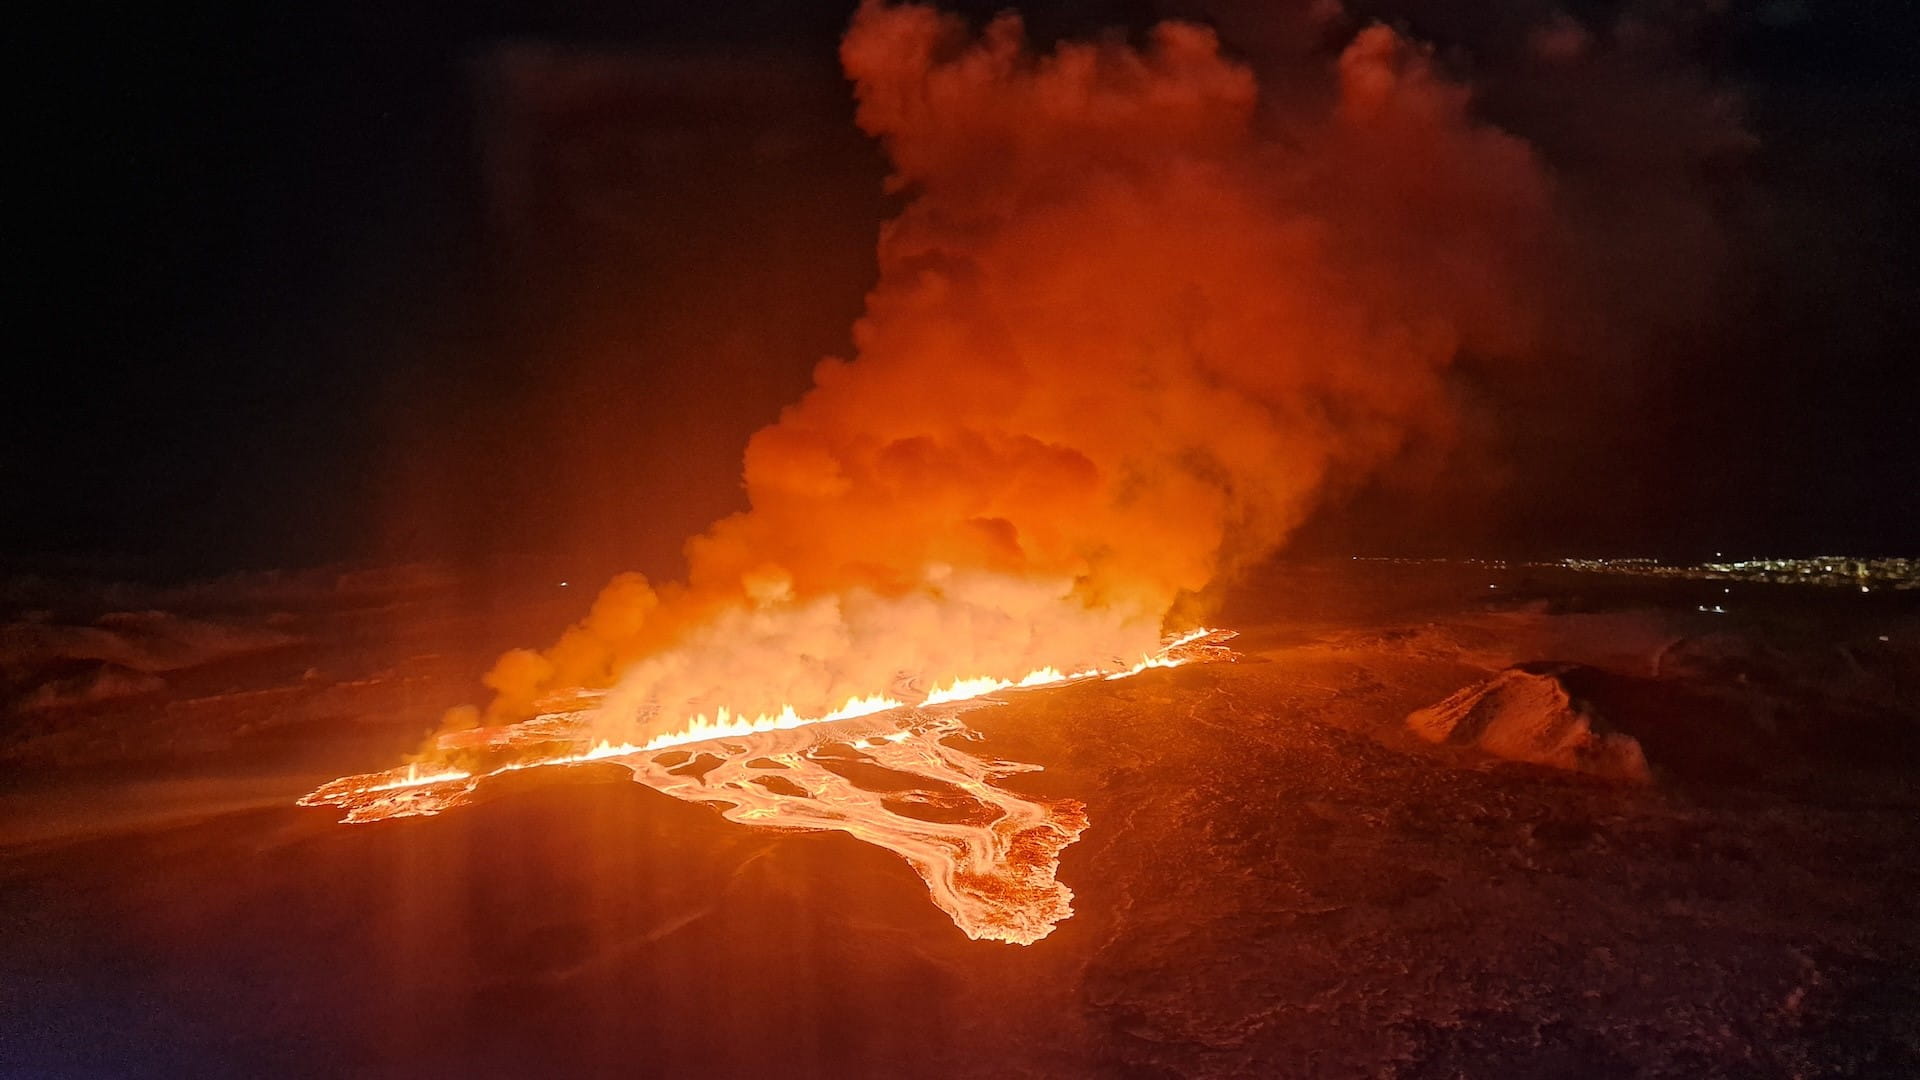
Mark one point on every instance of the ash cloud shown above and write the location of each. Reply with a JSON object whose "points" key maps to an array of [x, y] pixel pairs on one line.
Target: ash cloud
{"points": [[1145, 308]]}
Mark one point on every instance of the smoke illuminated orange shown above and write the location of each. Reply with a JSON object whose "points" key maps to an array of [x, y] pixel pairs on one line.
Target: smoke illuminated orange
{"points": [[1131, 323]]}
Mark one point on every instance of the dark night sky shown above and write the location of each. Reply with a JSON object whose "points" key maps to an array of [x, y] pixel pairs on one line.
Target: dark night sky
{"points": [[313, 282]]}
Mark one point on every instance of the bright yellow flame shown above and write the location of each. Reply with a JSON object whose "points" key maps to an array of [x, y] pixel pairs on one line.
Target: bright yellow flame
{"points": [[414, 777], [723, 724], [962, 689], [1043, 677]]}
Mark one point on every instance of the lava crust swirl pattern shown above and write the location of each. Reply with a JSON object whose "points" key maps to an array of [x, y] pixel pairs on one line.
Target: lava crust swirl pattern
{"points": [[891, 778]]}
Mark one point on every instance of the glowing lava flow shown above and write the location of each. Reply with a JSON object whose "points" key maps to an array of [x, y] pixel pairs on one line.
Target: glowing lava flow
{"points": [[988, 856]]}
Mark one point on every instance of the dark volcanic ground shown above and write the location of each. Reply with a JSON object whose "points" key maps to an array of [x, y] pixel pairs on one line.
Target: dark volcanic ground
{"points": [[1278, 880]]}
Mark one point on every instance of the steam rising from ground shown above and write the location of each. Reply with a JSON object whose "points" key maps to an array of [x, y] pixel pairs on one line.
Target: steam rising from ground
{"points": [[1137, 318], [818, 653], [1113, 350]]}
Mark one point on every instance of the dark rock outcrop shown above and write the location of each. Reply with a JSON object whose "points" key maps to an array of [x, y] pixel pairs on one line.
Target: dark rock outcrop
{"points": [[1529, 712]]}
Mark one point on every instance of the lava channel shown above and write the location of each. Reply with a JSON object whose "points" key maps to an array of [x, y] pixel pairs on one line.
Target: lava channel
{"points": [[987, 855]]}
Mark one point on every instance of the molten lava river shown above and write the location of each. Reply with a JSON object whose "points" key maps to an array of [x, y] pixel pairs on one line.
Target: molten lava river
{"points": [[988, 856]]}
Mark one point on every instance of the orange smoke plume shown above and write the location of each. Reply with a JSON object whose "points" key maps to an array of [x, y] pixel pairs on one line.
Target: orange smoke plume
{"points": [[1131, 325]]}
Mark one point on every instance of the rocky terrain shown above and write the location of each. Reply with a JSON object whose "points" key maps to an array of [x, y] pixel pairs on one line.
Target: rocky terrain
{"points": [[1280, 875]]}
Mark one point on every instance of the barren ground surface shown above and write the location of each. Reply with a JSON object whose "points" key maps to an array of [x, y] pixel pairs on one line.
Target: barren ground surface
{"points": [[1278, 879]]}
